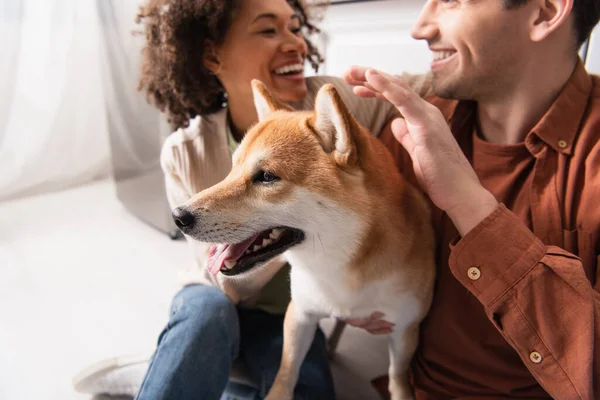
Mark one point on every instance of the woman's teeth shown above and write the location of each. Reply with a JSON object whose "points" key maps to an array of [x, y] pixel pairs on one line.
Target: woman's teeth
{"points": [[442, 55], [289, 69]]}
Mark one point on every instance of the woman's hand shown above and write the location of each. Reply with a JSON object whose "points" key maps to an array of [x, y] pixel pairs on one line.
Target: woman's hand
{"points": [[374, 324]]}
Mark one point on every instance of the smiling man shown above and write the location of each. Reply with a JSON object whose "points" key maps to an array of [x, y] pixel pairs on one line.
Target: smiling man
{"points": [[512, 164]]}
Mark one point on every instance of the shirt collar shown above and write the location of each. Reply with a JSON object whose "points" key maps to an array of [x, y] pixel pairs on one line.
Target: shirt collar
{"points": [[558, 128]]}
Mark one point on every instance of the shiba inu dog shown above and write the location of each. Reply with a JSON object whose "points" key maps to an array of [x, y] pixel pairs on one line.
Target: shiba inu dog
{"points": [[322, 189]]}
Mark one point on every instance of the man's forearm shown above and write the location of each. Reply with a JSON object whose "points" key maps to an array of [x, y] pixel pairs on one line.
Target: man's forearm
{"points": [[539, 299]]}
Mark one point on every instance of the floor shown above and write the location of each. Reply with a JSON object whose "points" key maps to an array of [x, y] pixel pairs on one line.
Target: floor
{"points": [[81, 279]]}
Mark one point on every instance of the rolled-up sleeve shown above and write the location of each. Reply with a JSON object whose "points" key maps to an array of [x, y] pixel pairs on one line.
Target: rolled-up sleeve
{"points": [[540, 300]]}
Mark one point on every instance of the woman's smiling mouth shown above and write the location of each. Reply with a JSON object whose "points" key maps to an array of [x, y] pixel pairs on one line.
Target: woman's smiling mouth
{"points": [[290, 71]]}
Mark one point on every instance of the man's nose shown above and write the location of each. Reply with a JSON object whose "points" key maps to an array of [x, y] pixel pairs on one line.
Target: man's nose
{"points": [[425, 27], [184, 219]]}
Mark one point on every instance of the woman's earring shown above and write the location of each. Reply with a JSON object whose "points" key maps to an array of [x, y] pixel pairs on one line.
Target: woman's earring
{"points": [[224, 103]]}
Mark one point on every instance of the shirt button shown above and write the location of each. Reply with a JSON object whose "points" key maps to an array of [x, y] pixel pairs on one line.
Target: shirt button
{"points": [[535, 357], [562, 144], [474, 273]]}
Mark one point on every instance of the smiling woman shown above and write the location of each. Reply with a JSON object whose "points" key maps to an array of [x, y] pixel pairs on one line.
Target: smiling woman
{"points": [[224, 49]]}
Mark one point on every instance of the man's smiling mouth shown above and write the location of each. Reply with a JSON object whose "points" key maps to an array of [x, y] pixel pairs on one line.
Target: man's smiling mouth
{"points": [[442, 55]]}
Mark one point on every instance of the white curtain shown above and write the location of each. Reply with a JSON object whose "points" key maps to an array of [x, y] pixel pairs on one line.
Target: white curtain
{"points": [[52, 110], [68, 76]]}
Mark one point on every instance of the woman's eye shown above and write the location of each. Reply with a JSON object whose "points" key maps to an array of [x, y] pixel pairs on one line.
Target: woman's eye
{"points": [[269, 32], [265, 177], [297, 31]]}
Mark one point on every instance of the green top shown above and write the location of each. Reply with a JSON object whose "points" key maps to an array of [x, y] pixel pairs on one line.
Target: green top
{"points": [[275, 295]]}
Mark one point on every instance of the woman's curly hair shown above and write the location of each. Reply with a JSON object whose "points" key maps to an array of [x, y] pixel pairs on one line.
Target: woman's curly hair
{"points": [[173, 74]]}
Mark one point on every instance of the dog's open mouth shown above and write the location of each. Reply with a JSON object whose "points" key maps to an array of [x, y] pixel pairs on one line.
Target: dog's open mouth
{"points": [[233, 259]]}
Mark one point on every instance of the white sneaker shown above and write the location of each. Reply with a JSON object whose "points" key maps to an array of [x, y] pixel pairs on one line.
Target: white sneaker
{"points": [[117, 376]]}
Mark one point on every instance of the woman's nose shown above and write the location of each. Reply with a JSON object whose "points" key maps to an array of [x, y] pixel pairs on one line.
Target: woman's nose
{"points": [[293, 42]]}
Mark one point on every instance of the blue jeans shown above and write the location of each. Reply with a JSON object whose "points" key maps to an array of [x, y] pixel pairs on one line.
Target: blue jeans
{"points": [[206, 332]]}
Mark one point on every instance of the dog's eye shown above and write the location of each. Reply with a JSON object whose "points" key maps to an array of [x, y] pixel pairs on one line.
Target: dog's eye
{"points": [[265, 177]]}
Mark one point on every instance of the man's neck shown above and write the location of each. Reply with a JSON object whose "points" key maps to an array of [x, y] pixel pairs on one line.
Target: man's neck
{"points": [[508, 119]]}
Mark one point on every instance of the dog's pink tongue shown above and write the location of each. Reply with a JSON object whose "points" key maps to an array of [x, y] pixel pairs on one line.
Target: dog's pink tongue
{"points": [[219, 253]]}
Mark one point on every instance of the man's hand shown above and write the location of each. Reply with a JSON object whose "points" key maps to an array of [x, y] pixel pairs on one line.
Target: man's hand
{"points": [[373, 324], [439, 164]]}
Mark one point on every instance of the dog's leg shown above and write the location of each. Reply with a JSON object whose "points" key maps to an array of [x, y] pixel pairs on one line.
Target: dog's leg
{"points": [[298, 333], [402, 344]]}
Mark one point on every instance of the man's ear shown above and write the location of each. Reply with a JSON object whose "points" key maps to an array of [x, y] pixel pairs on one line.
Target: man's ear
{"points": [[549, 15], [211, 58], [264, 101], [335, 125]]}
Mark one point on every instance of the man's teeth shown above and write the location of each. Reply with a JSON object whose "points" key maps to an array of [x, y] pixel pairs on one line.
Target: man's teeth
{"points": [[289, 68], [442, 55]]}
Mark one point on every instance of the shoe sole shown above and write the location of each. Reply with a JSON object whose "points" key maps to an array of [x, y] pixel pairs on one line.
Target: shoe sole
{"points": [[102, 367]]}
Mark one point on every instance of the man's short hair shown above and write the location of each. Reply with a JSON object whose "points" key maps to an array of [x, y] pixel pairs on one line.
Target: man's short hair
{"points": [[587, 15]]}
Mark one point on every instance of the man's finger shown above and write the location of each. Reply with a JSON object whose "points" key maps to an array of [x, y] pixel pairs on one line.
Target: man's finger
{"points": [[410, 105], [354, 82], [364, 92], [402, 134], [356, 73]]}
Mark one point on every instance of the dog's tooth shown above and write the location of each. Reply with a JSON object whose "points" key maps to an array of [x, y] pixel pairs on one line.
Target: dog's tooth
{"points": [[256, 248], [247, 252], [275, 233], [230, 263], [266, 242]]}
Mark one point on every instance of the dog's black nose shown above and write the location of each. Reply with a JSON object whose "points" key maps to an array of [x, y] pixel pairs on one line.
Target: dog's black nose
{"points": [[183, 218]]}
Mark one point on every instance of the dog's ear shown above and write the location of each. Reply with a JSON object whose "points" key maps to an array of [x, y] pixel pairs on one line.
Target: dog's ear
{"points": [[264, 101], [335, 125]]}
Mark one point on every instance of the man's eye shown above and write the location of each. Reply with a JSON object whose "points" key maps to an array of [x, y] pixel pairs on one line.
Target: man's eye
{"points": [[265, 177], [297, 31], [268, 32]]}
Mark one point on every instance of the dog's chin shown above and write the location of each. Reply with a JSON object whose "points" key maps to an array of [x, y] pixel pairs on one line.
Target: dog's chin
{"points": [[258, 254]]}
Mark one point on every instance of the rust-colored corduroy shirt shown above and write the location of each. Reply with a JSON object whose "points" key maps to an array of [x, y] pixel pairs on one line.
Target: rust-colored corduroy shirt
{"points": [[516, 312]]}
